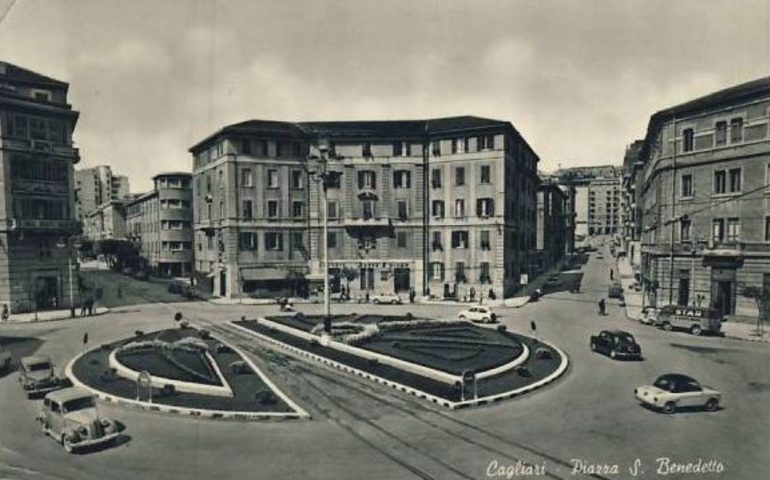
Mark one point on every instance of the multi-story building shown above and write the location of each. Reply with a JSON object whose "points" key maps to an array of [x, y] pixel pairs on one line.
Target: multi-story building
{"points": [[96, 186], [706, 200], [37, 205], [604, 206], [552, 225], [586, 174], [630, 207], [160, 223], [437, 206], [107, 221]]}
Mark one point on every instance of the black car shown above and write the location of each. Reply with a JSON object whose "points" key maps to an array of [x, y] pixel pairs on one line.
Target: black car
{"points": [[616, 344]]}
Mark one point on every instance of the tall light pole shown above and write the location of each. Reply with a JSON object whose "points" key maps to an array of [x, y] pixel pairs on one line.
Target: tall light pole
{"points": [[322, 178], [71, 243]]}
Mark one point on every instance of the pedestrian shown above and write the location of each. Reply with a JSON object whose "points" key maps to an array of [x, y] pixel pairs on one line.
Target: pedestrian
{"points": [[472, 293], [611, 274], [411, 295], [481, 298], [83, 307], [491, 294], [601, 307], [90, 306], [6, 314], [367, 297]]}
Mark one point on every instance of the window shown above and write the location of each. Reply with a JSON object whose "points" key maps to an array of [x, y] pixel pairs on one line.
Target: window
{"points": [[401, 239], [398, 149], [736, 130], [331, 239], [246, 147], [486, 142], [437, 271], [733, 230], [436, 148], [767, 229], [367, 149], [297, 241], [264, 148], [367, 243], [436, 244], [402, 179], [403, 209], [484, 276], [720, 182], [484, 240], [273, 241], [248, 241], [460, 272], [367, 207], [459, 208], [248, 209], [332, 209], [296, 179], [459, 176], [735, 180], [460, 239], [718, 230], [688, 137], [485, 174], [684, 230], [720, 133], [333, 179], [296, 150], [437, 208], [272, 178], [297, 209], [366, 276], [459, 145], [485, 207], [279, 149], [367, 179], [272, 208], [435, 178], [687, 190]]}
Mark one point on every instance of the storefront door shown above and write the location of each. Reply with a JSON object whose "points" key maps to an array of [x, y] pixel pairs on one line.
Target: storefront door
{"points": [[401, 279]]}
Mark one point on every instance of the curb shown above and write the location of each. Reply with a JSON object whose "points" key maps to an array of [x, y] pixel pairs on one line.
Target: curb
{"points": [[410, 390], [183, 411], [105, 311]]}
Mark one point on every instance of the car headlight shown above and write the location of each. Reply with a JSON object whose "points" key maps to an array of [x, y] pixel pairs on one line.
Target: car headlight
{"points": [[109, 425], [655, 399]]}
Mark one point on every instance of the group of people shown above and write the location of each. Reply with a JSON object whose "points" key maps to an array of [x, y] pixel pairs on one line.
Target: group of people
{"points": [[87, 306]]}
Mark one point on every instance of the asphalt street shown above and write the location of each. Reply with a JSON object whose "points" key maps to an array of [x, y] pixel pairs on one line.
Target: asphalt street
{"points": [[362, 430]]}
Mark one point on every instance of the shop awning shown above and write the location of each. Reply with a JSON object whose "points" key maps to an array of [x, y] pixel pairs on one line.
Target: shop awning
{"points": [[264, 274]]}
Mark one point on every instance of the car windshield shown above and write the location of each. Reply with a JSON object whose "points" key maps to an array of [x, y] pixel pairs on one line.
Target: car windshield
{"points": [[665, 383], [624, 339], [36, 367], [79, 404]]}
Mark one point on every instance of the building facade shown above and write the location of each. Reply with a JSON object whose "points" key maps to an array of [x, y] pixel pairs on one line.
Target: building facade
{"points": [[107, 221], [630, 206], [604, 206], [37, 219], [435, 206], [160, 223], [96, 186], [553, 220], [706, 200]]}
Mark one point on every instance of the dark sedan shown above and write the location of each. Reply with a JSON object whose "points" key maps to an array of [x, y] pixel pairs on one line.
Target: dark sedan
{"points": [[616, 344]]}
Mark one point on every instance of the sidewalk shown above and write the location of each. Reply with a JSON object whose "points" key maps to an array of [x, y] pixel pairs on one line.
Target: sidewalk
{"points": [[51, 315]]}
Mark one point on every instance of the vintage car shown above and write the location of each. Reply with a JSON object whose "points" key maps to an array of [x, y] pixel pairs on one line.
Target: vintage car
{"points": [[674, 390], [478, 314], [70, 417], [391, 298], [696, 320], [552, 282], [616, 344], [5, 360], [36, 375], [648, 315], [615, 290]]}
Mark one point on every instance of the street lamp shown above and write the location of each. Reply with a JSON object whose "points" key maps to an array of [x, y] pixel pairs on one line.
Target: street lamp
{"points": [[322, 178], [71, 243]]}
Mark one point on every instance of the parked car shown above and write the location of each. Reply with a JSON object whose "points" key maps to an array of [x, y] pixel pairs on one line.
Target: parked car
{"points": [[648, 316], [616, 344], [70, 417], [5, 360], [141, 275], [478, 314], [674, 390], [36, 375], [391, 298], [615, 290], [553, 281], [696, 320]]}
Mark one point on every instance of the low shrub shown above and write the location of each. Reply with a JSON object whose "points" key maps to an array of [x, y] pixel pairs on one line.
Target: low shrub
{"points": [[204, 334], [168, 390], [543, 354], [409, 316], [502, 328], [239, 367], [184, 324], [109, 375]]}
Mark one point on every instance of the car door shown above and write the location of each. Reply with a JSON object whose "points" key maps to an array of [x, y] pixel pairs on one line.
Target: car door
{"points": [[55, 418], [604, 342], [691, 394]]}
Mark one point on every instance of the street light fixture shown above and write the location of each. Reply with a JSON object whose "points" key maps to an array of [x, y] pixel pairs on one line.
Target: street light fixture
{"points": [[322, 178], [71, 243]]}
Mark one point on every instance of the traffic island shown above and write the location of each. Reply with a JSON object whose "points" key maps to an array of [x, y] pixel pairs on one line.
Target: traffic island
{"points": [[449, 362], [182, 371]]}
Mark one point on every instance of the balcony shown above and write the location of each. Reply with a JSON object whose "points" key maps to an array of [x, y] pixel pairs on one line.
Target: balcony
{"points": [[367, 222], [43, 225], [39, 146]]}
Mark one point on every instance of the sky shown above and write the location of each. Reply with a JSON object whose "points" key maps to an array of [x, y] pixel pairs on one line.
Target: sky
{"points": [[579, 79]]}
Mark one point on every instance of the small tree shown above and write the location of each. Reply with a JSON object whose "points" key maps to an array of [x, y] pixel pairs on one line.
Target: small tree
{"points": [[762, 299], [349, 274]]}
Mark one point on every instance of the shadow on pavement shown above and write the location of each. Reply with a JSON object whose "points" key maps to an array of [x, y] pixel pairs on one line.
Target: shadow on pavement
{"points": [[19, 347]]}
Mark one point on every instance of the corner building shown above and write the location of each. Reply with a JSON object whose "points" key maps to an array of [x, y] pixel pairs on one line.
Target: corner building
{"points": [[439, 206]]}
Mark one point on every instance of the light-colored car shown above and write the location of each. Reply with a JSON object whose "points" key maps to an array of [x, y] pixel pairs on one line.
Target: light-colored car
{"points": [[36, 375], [391, 298], [478, 314], [69, 416], [5, 360], [648, 316], [673, 391]]}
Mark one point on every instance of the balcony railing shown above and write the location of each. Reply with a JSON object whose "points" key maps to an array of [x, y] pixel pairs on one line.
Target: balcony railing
{"points": [[367, 222], [42, 224]]}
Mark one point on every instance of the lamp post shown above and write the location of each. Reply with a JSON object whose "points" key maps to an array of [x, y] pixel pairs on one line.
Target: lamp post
{"points": [[71, 243], [322, 178]]}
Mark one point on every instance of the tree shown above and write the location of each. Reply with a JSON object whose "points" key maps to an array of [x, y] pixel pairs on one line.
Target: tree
{"points": [[119, 253], [349, 274], [762, 298]]}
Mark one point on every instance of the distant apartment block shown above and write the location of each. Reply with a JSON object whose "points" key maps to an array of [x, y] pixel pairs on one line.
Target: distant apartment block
{"points": [[96, 186], [604, 206]]}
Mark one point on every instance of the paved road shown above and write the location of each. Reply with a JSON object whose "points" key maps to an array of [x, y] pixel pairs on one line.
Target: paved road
{"points": [[360, 430]]}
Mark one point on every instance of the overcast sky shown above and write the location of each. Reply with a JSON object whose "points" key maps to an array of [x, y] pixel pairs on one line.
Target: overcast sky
{"points": [[579, 79]]}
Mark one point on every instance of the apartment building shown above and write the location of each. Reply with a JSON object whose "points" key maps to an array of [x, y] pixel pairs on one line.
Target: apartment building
{"points": [[96, 186], [706, 201], [630, 206], [160, 223], [553, 220], [107, 221], [604, 206], [37, 206], [438, 206]]}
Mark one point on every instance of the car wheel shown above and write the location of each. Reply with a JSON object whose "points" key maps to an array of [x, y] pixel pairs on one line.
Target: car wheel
{"points": [[669, 408], [712, 405], [696, 330], [376, 301], [667, 327], [68, 446], [613, 354], [486, 320], [461, 318]]}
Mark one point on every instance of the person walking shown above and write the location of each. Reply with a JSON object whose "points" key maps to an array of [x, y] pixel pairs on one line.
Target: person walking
{"points": [[472, 294], [612, 274], [83, 307], [6, 313], [601, 307]]}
